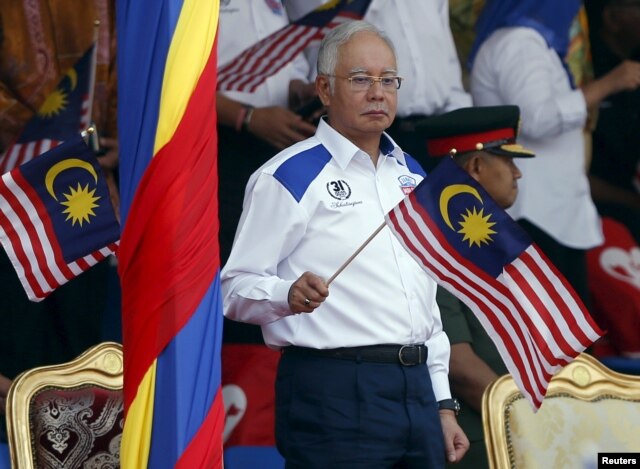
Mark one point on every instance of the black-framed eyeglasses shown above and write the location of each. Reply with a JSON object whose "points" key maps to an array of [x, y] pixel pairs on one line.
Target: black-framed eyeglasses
{"points": [[364, 82]]}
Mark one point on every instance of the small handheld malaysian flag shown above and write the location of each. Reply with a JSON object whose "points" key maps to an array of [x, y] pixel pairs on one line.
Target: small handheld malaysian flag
{"points": [[471, 247], [56, 217], [254, 65], [64, 113]]}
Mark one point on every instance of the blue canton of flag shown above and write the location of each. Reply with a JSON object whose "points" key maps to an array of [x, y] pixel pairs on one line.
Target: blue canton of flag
{"points": [[56, 218], [64, 113], [473, 224], [471, 247]]}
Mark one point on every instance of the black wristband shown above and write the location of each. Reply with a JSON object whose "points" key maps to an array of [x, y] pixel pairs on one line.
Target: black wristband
{"points": [[449, 404]]}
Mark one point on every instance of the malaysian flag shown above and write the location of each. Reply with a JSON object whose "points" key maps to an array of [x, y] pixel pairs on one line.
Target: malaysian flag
{"points": [[56, 218], [470, 246], [254, 65], [64, 113]]}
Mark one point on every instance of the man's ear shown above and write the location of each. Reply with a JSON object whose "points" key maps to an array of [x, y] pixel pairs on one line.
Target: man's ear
{"points": [[323, 88], [473, 166]]}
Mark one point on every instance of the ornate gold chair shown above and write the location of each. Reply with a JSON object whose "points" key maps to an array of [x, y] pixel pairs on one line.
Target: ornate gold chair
{"points": [[68, 415], [588, 409]]}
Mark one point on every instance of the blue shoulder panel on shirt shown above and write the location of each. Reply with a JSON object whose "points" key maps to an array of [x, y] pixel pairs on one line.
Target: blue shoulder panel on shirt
{"points": [[297, 173], [386, 147], [414, 166]]}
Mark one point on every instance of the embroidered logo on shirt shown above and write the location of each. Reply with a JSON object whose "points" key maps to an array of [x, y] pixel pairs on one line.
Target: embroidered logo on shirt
{"points": [[339, 189], [275, 6], [407, 184]]}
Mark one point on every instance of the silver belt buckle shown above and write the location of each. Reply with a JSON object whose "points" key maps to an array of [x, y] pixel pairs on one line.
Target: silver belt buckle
{"points": [[402, 359]]}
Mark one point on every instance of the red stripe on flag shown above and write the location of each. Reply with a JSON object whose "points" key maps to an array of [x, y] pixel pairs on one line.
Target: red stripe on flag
{"points": [[512, 306], [276, 57], [51, 238], [16, 245], [206, 445], [29, 238], [163, 273], [532, 327], [540, 305], [551, 284], [238, 66], [524, 368]]}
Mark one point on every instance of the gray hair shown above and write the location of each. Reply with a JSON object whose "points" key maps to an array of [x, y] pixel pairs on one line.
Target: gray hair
{"points": [[328, 52]]}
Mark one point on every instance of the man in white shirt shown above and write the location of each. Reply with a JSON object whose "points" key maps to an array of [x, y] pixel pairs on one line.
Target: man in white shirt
{"points": [[352, 388]]}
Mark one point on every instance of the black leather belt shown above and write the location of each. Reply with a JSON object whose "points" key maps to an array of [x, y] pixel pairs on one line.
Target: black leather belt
{"points": [[407, 355]]}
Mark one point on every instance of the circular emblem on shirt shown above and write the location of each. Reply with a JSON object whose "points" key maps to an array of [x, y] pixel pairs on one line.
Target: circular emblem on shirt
{"points": [[339, 189]]}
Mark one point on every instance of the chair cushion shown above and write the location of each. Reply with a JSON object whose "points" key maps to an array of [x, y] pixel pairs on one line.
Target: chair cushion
{"points": [[567, 431], [79, 427]]}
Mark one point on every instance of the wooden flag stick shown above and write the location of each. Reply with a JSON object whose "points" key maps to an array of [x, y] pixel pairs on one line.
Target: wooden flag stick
{"points": [[348, 261]]}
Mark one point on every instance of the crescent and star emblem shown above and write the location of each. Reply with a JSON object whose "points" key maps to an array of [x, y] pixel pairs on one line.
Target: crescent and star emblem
{"points": [[80, 201], [475, 226]]}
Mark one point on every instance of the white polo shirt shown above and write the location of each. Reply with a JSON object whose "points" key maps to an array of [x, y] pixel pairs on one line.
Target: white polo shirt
{"points": [[308, 209]]}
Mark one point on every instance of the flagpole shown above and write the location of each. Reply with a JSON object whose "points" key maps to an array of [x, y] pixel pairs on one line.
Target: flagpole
{"points": [[348, 261], [92, 69], [88, 131]]}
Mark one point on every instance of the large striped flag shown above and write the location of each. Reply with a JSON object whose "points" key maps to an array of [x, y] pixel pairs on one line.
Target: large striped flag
{"points": [[257, 63], [169, 256], [56, 217], [64, 113], [469, 245]]}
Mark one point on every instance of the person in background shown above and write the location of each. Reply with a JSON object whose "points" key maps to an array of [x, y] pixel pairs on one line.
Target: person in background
{"points": [[252, 127], [475, 361], [518, 58], [362, 380], [615, 170], [39, 42]]}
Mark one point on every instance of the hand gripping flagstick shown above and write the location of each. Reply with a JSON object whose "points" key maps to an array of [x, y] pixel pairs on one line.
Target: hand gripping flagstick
{"points": [[364, 245]]}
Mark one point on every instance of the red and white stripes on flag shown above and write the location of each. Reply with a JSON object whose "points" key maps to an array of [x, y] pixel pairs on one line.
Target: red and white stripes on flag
{"points": [[19, 153], [533, 316], [251, 68], [254, 65], [30, 241]]}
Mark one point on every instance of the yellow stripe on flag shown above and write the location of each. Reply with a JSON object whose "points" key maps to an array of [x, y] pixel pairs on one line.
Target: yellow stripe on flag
{"points": [[134, 450], [189, 51]]}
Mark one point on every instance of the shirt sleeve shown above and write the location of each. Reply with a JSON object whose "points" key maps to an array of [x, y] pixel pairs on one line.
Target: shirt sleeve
{"points": [[527, 71], [252, 290], [438, 358]]}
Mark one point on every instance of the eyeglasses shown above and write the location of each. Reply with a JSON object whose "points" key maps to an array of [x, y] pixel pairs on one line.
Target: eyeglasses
{"points": [[364, 82]]}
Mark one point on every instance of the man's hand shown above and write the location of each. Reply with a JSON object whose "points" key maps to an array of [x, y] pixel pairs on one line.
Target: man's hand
{"points": [[109, 158], [5, 384], [456, 442], [279, 126], [307, 293]]}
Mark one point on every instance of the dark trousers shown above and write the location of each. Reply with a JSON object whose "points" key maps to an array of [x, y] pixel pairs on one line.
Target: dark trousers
{"points": [[572, 263], [333, 413]]}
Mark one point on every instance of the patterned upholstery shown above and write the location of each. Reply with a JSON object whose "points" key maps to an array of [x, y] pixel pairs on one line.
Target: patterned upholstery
{"points": [[69, 415], [588, 409]]}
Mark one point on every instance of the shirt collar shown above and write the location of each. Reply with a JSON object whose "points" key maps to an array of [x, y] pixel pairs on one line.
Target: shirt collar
{"points": [[343, 150]]}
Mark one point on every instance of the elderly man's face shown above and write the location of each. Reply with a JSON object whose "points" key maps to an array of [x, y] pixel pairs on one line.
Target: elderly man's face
{"points": [[499, 176], [356, 113]]}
